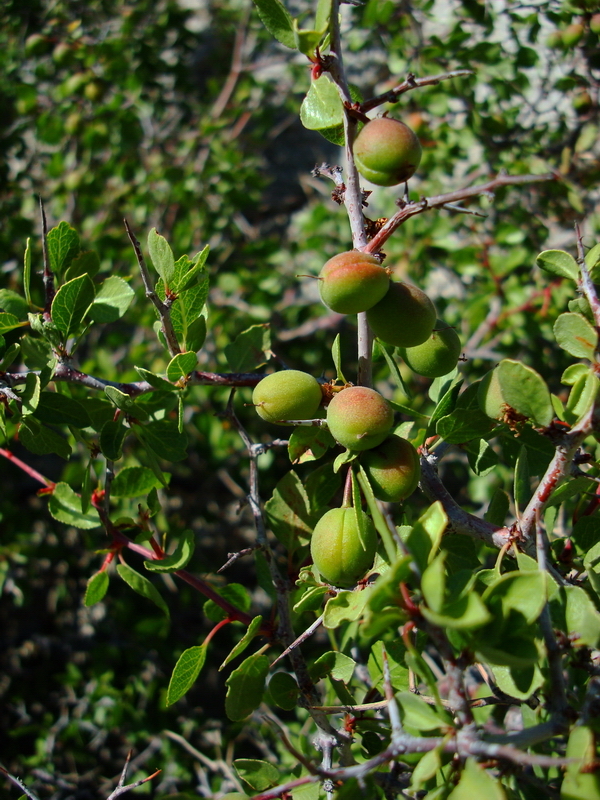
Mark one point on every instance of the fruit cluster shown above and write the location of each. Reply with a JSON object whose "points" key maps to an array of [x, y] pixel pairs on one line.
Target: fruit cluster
{"points": [[344, 541]]}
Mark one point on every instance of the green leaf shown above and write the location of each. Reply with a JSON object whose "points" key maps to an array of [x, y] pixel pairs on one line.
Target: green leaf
{"points": [[155, 380], [467, 613], [522, 482], [283, 691], [338, 665], [161, 255], [65, 506], [582, 397], [253, 630], [60, 409], [39, 439], [416, 713], [112, 300], [309, 444], [582, 780], [518, 591], [111, 439], [277, 21], [322, 106], [323, 15], [592, 261], [463, 425], [63, 245], [394, 370], [245, 687], [235, 593], [133, 482], [482, 457], [498, 508], [185, 673], [30, 397], [573, 372], [142, 586], [475, 782], [575, 335], [345, 606], [181, 365], [558, 262], [165, 439], [398, 670], [378, 518], [187, 308], [188, 272], [195, 334], [86, 263], [250, 349], [27, 272], [121, 399], [582, 618], [307, 40], [14, 303], [525, 391], [179, 559], [321, 485], [259, 775], [336, 354], [521, 683], [288, 512], [70, 304], [424, 539], [96, 588], [8, 322]]}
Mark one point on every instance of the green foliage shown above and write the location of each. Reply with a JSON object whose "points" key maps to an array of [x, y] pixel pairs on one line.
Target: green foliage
{"points": [[116, 385]]}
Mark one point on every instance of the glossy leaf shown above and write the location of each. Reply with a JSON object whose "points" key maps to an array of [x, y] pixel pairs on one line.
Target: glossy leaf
{"points": [[96, 588], [65, 506], [253, 630], [70, 304], [185, 673], [177, 560]]}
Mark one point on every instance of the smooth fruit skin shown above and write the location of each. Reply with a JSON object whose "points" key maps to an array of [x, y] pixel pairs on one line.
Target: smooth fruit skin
{"points": [[489, 396], [336, 547], [387, 152], [405, 317], [595, 23], [438, 355], [289, 394], [572, 34], [359, 418], [393, 469], [352, 282]]}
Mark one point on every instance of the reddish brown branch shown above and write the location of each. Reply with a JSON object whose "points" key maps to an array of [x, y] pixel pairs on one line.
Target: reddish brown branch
{"points": [[411, 82]]}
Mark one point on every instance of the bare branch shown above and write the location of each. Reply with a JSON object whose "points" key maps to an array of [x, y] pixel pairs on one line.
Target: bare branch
{"points": [[412, 208], [19, 783], [410, 83], [121, 788]]}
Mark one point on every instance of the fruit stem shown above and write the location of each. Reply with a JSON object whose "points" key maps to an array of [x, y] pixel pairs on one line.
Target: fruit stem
{"points": [[347, 501]]}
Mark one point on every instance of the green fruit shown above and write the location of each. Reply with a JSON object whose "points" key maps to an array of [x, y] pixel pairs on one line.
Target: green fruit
{"points": [[555, 41], [595, 23], [359, 418], [404, 317], [289, 394], [582, 102], [438, 355], [393, 469], [94, 91], [489, 396], [387, 152], [62, 53], [572, 34], [336, 547], [36, 45], [353, 282]]}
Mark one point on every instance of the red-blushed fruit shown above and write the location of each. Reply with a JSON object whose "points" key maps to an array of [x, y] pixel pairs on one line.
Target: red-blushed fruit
{"points": [[393, 469], [359, 418], [572, 34], [595, 23], [353, 282], [404, 317], [387, 152], [289, 394], [336, 547], [438, 355]]}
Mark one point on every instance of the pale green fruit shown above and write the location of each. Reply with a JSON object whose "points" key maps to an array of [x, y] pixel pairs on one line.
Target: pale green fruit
{"points": [[289, 394], [572, 34], [387, 152], [359, 418], [404, 317], [353, 282], [438, 355], [393, 469], [336, 547]]}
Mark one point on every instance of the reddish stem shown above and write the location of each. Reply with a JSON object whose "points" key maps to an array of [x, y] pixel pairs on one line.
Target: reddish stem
{"points": [[26, 468], [217, 627]]}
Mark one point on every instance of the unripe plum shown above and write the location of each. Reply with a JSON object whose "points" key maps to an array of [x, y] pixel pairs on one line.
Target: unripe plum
{"points": [[572, 34], [438, 355], [359, 418], [353, 282], [404, 317], [336, 547], [289, 394], [387, 152], [595, 23], [393, 469]]}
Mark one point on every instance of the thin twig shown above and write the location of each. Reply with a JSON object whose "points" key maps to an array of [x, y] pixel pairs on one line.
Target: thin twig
{"points": [[19, 783], [412, 208], [585, 282], [410, 83], [121, 788], [162, 308], [302, 638]]}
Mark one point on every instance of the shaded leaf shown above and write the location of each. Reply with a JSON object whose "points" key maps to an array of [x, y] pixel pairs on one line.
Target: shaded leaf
{"points": [[246, 686], [63, 245], [142, 586], [65, 506], [259, 775], [177, 560], [250, 349], [253, 630], [39, 439], [133, 482]]}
